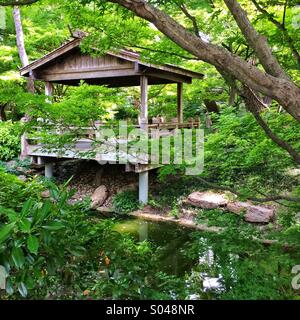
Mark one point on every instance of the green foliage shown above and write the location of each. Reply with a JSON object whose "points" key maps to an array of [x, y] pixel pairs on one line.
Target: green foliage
{"points": [[80, 106], [15, 166], [14, 192], [125, 202], [10, 140], [52, 249], [239, 152], [248, 271], [33, 241], [138, 278]]}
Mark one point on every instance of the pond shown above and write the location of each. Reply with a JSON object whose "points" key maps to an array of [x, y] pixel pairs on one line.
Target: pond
{"points": [[229, 265], [173, 242]]}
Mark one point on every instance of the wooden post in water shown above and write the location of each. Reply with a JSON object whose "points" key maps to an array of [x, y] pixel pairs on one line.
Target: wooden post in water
{"points": [[48, 170], [143, 187], [144, 176], [48, 93]]}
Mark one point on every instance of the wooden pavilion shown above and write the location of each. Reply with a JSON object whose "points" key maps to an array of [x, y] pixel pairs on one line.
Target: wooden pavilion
{"points": [[68, 65]]}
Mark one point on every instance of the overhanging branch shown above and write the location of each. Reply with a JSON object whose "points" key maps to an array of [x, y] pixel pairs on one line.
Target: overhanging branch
{"points": [[7, 3], [281, 27]]}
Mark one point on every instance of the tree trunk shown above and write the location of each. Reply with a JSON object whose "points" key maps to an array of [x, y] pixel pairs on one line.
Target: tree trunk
{"points": [[276, 85], [21, 46], [2, 112], [211, 106]]}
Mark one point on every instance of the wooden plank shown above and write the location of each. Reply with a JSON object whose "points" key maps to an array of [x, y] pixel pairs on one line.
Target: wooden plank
{"points": [[88, 75], [175, 78], [86, 68], [51, 56]]}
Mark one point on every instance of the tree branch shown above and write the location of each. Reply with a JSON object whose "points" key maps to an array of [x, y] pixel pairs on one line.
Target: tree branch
{"points": [[17, 3], [280, 26], [284, 91], [257, 41], [284, 12], [254, 105], [184, 9]]}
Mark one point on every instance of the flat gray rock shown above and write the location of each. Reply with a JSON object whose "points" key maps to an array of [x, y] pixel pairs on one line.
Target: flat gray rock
{"points": [[207, 200]]}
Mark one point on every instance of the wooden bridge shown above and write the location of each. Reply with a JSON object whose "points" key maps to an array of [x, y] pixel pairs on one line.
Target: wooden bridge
{"points": [[68, 65]]}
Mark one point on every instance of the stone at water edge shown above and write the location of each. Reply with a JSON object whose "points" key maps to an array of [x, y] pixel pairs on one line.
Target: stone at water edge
{"points": [[255, 214], [207, 200], [238, 207], [99, 196], [259, 214]]}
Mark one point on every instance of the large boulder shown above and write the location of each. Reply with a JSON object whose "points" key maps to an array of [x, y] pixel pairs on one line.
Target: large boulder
{"points": [[99, 196], [254, 213], [238, 207], [260, 214], [207, 200]]}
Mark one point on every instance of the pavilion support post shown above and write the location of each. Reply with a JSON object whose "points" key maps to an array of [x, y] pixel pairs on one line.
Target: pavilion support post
{"points": [[180, 102], [144, 103], [48, 93], [48, 170], [48, 88], [143, 187], [144, 176]]}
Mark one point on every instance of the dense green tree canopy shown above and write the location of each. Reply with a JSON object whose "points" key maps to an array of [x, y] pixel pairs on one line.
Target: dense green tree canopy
{"points": [[249, 107]]}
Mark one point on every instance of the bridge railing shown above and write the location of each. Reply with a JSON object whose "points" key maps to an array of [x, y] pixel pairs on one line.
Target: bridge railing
{"points": [[86, 136]]}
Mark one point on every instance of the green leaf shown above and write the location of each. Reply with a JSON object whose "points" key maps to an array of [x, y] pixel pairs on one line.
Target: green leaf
{"points": [[78, 251], [9, 287], [5, 231], [45, 210], [33, 244], [25, 225], [26, 208], [54, 226], [18, 257], [22, 289]]}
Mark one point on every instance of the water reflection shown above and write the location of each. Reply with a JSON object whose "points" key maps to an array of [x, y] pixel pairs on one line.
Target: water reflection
{"points": [[172, 242]]}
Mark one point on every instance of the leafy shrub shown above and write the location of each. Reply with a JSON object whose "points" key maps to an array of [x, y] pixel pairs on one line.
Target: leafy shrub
{"points": [[240, 149], [40, 240], [125, 202], [52, 249], [14, 166], [237, 153], [14, 192], [10, 140]]}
